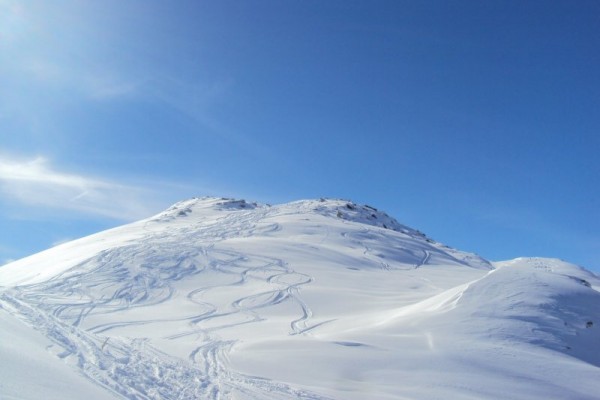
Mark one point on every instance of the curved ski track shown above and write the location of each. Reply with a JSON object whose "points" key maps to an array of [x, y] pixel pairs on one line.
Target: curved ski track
{"points": [[133, 368]]}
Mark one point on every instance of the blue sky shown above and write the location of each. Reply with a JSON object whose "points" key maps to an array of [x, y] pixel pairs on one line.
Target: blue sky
{"points": [[475, 122]]}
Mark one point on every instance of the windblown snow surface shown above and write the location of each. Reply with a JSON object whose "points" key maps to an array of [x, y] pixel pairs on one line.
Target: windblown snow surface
{"points": [[321, 299]]}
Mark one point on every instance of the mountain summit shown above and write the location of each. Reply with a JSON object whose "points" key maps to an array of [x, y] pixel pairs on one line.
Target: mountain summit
{"points": [[220, 298]]}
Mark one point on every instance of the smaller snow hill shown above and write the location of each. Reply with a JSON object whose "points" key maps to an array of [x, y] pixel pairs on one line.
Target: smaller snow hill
{"points": [[317, 299]]}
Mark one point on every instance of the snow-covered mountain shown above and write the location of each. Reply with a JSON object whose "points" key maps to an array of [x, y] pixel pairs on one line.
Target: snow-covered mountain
{"points": [[318, 299]]}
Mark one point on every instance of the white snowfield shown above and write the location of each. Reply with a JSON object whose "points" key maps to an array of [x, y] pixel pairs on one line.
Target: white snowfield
{"points": [[319, 299]]}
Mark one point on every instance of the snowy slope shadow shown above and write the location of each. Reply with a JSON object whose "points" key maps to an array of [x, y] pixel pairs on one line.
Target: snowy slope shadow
{"points": [[539, 302]]}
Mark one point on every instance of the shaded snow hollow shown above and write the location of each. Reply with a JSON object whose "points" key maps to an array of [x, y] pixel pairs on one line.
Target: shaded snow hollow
{"points": [[317, 299]]}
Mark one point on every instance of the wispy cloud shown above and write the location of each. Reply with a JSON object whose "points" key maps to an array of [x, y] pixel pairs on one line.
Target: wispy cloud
{"points": [[105, 87], [36, 182], [92, 82]]}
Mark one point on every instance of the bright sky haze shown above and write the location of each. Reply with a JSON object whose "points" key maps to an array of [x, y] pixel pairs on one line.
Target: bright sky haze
{"points": [[475, 122]]}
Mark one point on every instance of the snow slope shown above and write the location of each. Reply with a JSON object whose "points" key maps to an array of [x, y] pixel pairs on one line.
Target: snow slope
{"points": [[316, 299]]}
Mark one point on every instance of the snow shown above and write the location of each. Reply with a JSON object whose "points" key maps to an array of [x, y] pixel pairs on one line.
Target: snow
{"points": [[30, 370], [318, 299]]}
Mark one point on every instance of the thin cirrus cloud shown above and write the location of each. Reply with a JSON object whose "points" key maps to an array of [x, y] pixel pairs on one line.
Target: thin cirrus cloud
{"points": [[37, 183], [91, 82]]}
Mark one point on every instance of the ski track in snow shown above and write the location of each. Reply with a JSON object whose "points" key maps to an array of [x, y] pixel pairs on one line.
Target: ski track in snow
{"points": [[132, 367], [425, 259]]}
